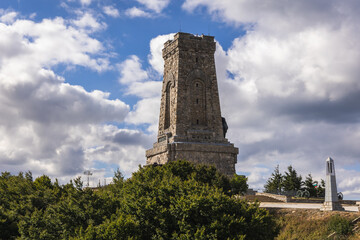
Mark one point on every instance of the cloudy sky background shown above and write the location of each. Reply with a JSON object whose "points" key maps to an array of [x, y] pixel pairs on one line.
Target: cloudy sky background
{"points": [[80, 83]]}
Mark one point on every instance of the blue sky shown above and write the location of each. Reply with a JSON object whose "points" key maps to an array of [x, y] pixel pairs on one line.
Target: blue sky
{"points": [[80, 83]]}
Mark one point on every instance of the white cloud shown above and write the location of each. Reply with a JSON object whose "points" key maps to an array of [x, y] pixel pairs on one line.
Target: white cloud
{"points": [[138, 82], [122, 147], [155, 5], [87, 22], [39, 44], [145, 111], [137, 12], [82, 2], [145, 84], [256, 176], [155, 56], [32, 16], [7, 17], [269, 16], [49, 126], [131, 70], [85, 2], [145, 89], [314, 69], [111, 11]]}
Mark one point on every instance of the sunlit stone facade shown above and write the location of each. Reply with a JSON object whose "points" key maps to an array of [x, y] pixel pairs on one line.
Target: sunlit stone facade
{"points": [[190, 123]]}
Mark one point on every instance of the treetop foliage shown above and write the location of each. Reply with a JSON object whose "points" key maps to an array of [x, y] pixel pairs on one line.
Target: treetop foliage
{"points": [[178, 200], [290, 182]]}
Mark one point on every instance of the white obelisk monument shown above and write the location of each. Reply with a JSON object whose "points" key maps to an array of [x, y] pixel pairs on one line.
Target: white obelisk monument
{"points": [[331, 198]]}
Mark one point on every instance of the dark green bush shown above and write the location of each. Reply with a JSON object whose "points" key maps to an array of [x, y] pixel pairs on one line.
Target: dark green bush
{"points": [[178, 200], [340, 225]]}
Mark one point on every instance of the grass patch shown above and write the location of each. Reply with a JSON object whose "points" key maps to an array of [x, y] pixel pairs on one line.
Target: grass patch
{"points": [[341, 225], [313, 224]]}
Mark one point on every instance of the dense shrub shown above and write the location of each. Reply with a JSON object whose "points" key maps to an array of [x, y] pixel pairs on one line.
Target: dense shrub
{"points": [[340, 225], [174, 201]]}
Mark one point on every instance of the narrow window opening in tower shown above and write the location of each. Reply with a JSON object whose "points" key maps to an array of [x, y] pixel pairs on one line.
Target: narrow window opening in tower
{"points": [[198, 103], [330, 167], [197, 59], [167, 106]]}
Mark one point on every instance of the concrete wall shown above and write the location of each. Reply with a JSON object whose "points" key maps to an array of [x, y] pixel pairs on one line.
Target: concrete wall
{"points": [[278, 197]]}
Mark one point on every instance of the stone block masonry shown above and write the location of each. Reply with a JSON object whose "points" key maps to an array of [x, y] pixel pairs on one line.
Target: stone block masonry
{"points": [[190, 124]]}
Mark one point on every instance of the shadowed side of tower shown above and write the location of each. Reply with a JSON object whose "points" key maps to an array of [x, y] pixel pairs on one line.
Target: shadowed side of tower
{"points": [[190, 123]]}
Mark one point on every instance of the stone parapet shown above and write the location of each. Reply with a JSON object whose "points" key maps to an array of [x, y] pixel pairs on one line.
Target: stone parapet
{"points": [[281, 198], [187, 41], [222, 156]]}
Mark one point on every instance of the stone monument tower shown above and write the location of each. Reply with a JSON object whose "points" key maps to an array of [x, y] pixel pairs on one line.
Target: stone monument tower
{"points": [[331, 198], [190, 125]]}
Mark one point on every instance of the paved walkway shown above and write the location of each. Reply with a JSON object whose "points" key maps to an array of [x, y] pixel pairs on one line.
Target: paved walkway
{"points": [[303, 206]]}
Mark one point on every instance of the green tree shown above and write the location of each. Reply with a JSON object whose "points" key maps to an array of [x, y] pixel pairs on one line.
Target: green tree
{"points": [[14, 202], [182, 201], [320, 190], [291, 181], [118, 177], [238, 184], [43, 182], [178, 200], [275, 182], [309, 185]]}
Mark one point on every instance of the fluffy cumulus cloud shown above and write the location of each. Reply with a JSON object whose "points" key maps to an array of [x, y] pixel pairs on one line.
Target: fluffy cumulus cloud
{"points": [[137, 12], [136, 80], [290, 86], [155, 5], [131, 70], [155, 57], [111, 11], [48, 125], [7, 16], [148, 8], [145, 84], [85, 2], [87, 22]]}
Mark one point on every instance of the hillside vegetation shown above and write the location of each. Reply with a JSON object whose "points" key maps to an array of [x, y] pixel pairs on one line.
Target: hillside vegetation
{"points": [[315, 224], [173, 201]]}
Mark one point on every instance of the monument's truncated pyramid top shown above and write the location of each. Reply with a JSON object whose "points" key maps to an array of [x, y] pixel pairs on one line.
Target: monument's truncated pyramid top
{"points": [[190, 123]]}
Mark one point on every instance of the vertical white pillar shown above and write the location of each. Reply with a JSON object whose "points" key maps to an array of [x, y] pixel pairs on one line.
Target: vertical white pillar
{"points": [[331, 199]]}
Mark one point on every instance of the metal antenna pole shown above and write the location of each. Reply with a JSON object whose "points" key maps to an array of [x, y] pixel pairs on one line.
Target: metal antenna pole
{"points": [[88, 173]]}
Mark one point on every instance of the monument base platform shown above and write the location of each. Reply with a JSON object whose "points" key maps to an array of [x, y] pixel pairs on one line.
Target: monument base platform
{"points": [[331, 206], [221, 156]]}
